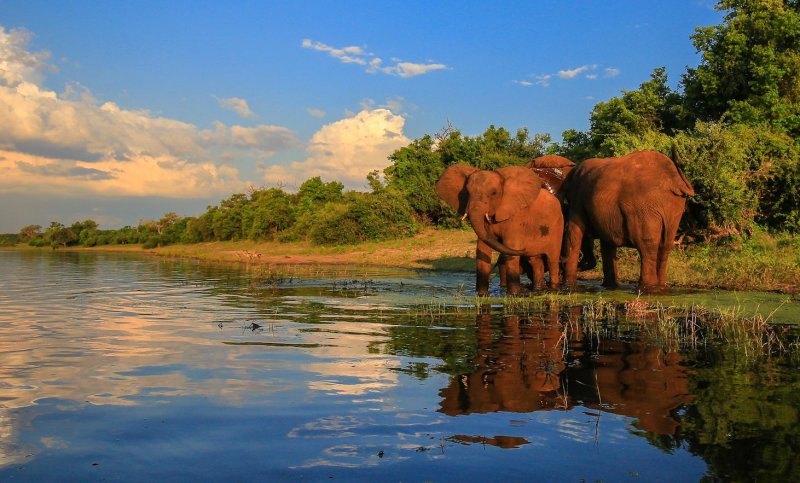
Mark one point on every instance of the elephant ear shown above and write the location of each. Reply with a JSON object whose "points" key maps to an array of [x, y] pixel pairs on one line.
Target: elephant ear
{"points": [[451, 187], [521, 186]]}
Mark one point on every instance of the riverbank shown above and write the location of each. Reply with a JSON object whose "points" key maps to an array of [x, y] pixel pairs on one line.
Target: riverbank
{"points": [[762, 263]]}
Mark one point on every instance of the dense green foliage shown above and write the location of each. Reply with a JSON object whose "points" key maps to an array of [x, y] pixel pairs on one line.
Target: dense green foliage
{"points": [[416, 168], [735, 127], [319, 212], [733, 124]]}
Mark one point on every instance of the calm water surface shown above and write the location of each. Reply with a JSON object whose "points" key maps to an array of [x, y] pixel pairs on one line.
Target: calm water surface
{"points": [[117, 367]]}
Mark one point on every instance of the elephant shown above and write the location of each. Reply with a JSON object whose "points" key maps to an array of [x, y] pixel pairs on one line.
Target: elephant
{"points": [[553, 170], [510, 213], [632, 201]]}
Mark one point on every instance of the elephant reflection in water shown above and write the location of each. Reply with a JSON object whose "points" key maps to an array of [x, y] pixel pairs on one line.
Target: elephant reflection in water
{"points": [[524, 370], [517, 372], [636, 380]]}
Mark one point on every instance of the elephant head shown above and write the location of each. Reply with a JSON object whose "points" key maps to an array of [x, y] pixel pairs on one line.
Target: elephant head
{"points": [[487, 197]]}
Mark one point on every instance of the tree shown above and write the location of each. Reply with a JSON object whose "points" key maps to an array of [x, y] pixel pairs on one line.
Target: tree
{"points": [[652, 107], [166, 222], [268, 213], [30, 232], [226, 222], [750, 67], [60, 236], [575, 145], [414, 171]]}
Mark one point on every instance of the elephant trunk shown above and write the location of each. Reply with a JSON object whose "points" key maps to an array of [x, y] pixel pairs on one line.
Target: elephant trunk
{"points": [[479, 224]]}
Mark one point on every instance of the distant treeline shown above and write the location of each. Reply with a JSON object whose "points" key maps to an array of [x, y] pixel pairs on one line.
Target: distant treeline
{"points": [[734, 123]]}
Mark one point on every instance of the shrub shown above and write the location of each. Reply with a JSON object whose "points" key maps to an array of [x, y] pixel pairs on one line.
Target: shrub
{"points": [[335, 225], [361, 217]]}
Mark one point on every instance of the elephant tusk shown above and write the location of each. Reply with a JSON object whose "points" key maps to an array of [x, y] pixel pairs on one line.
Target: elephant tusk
{"points": [[488, 220], [464, 217]]}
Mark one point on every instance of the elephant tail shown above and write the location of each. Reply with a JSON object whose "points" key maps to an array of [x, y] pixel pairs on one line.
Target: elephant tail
{"points": [[681, 187]]}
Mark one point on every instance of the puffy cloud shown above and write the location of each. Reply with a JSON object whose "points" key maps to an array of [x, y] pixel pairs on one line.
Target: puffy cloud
{"points": [[611, 72], [357, 55], [17, 65], [140, 176], [318, 113], [237, 105], [523, 83], [70, 140], [345, 150]]}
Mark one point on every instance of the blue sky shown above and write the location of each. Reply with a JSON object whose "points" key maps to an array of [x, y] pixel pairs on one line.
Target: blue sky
{"points": [[121, 111]]}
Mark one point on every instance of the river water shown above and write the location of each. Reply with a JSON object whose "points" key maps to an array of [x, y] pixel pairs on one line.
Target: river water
{"points": [[120, 367]]}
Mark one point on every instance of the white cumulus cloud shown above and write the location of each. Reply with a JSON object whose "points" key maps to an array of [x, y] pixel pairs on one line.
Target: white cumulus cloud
{"points": [[346, 150], [70, 141]]}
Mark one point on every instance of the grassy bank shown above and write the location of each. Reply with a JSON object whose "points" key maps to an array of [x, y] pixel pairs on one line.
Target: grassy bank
{"points": [[761, 263]]}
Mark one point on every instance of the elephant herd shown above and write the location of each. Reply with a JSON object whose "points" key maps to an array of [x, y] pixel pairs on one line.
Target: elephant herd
{"points": [[541, 217]]}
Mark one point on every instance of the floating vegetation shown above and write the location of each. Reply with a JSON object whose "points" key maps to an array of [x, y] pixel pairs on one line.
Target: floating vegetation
{"points": [[672, 327]]}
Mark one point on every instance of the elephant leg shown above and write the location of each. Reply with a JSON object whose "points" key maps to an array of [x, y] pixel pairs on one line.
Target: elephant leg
{"points": [[501, 268], [483, 270], [512, 275], [648, 277], [664, 250], [575, 228], [538, 272], [588, 260], [661, 265], [526, 264], [609, 254], [553, 266]]}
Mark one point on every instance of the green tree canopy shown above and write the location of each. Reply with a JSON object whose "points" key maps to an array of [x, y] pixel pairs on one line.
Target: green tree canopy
{"points": [[750, 67]]}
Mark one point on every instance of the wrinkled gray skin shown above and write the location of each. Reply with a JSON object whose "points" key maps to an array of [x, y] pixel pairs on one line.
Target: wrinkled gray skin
{"points": [[510, 213]]}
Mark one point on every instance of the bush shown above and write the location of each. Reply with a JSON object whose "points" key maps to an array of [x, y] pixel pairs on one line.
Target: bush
{"points": [[335, 225], [363, 217], [152, 242], [383, 216], [742, 175]]}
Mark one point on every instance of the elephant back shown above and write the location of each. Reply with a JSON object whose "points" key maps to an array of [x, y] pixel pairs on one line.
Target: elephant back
{"points": [[665, 171]]}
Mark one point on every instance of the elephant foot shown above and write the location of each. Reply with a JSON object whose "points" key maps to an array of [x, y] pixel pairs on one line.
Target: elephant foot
{"points": [[587, 265], [610, 284], [651, 289]]}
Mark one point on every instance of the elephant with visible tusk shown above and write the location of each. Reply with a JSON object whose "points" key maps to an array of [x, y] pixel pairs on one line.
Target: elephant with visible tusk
{"points": [[511, 213]]}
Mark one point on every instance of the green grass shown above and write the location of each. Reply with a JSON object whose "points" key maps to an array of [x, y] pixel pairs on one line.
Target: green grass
{"points": [[762, 262]]}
